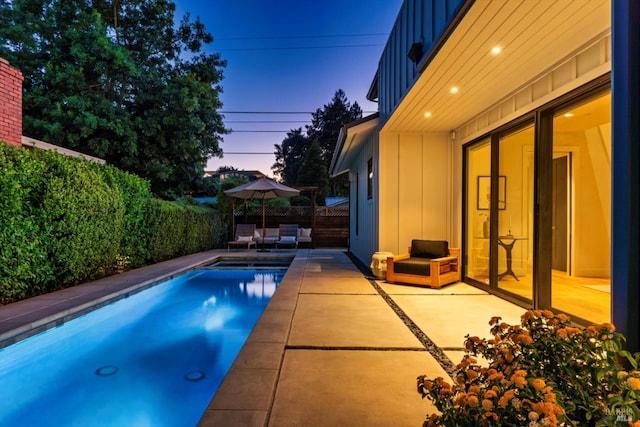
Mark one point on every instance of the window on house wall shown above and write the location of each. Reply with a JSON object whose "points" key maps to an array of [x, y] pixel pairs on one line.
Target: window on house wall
{"points": [[370, 179]]}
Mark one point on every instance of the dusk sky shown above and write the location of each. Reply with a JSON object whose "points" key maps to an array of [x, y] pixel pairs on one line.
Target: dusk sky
{"points": [[289, 56]]}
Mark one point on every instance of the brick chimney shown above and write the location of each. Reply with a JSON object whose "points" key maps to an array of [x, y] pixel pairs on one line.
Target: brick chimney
{"points": [[10, 103]]}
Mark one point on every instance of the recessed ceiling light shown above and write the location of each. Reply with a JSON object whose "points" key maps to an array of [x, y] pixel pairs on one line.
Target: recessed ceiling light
{"points": [[427, 114], [454, 89], [568, 114], [496, 50]]}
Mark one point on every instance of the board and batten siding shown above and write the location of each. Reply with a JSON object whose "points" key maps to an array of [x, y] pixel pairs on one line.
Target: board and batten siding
{"points": [[415, 189], [363, 236], [419, 21]]}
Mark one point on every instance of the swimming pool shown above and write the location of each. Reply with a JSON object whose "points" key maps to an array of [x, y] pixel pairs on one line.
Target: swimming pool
{"points": [[155, 358]]}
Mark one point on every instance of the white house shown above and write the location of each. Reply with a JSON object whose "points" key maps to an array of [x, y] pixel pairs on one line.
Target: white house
{"points": [[499, 131]]}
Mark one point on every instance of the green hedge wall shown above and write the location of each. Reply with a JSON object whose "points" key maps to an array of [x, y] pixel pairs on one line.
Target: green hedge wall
{"points": [[64, 221]]}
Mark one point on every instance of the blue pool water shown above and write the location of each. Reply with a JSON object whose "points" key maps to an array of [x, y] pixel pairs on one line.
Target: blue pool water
{"points": [[153, 359]]}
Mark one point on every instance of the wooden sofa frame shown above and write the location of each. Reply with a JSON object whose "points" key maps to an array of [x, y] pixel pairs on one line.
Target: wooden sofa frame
{"points": [[443, 271]]}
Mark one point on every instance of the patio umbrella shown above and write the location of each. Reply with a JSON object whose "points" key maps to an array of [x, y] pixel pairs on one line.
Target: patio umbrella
{"points": [[264, 189]]}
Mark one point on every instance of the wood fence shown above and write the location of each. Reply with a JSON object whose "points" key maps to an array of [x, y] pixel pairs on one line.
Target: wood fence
{"points": [[330, 225]]}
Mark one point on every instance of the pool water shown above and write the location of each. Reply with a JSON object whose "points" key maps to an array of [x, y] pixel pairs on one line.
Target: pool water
{"points": [[153, 359]]}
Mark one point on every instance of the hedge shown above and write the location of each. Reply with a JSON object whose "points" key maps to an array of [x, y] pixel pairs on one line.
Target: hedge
{"points": [[65, 220]]}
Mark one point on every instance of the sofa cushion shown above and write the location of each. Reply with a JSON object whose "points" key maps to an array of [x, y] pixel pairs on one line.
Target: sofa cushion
{"points": [[419, 266], [429, 248]]}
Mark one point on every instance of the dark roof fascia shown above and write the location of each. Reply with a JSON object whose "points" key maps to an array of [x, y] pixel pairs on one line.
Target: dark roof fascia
{"points": [[342, 137], [372, 94], [435, 48]]}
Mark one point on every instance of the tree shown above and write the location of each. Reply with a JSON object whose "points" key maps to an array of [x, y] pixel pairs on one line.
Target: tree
{"points": [[313, 172], [326, 123], [116, 80], [325, 128], [290, 155]]}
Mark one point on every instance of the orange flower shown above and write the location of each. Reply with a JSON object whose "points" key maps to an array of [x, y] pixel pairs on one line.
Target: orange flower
{"points": [[495, 376], [503, 402], [538, 384], [608, 326], [573, 331], [487, 405], [520, 382], [622, 375], [538, 407], [562, 332], [533, 416], [563, 317], [494, 320], [474, 389], [472, 401], [471, 374], [634, 383], [490, 394], [526, 339]]}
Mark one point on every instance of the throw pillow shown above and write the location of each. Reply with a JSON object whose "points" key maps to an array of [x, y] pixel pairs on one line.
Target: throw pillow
{"points": [[305, 232], [256, 234]]}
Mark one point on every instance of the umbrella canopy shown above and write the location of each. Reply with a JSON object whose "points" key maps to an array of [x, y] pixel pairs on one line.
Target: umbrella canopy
{"points": [[264, 189]]}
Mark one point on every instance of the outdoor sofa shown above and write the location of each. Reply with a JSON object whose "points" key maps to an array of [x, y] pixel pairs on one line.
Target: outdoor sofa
{"points": [[273, 235], [429, 263]]}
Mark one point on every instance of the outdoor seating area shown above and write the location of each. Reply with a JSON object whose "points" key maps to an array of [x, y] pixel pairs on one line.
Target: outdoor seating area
{"points": [[285, 235], [429, 263]]}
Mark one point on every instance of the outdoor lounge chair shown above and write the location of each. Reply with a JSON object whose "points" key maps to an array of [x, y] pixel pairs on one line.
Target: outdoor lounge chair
{"points": [[288, 235], [429, 263], [243, 237]]}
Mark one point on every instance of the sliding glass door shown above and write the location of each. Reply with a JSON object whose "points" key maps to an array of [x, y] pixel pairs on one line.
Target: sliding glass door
{"points": [[581, 209], [537, 223]]}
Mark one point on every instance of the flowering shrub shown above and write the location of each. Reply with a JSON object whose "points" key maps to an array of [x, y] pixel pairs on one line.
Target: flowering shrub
{"points": [[543, 372]]}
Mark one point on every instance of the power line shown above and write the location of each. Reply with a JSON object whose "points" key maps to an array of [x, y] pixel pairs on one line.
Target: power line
{"points": [[277, 112], [266, 121], [261, 131], [265, 112], [300, 37], [241, 49]]}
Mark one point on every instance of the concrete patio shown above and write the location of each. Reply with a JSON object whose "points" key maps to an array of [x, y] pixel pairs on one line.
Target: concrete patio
{"points": [[334, 347]]}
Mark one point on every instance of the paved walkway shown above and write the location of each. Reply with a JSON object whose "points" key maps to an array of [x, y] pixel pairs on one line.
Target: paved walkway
{"points": [[333, 348]]}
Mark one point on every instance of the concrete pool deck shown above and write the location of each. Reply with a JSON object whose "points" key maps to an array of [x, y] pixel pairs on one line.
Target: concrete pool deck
{"points": [[334, 347]]}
